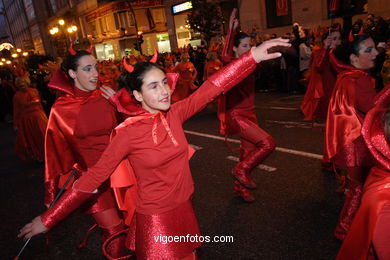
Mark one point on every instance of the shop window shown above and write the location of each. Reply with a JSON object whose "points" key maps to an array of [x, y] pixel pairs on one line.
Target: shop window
{"points": [[123, 19], [104, 51], [163, 43]]}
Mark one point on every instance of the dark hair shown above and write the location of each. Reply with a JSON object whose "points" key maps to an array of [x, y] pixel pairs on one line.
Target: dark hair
{"points": [[71, 62], [336, 27], [344, 51], [239, 36], [386, 125], [134, 80]]}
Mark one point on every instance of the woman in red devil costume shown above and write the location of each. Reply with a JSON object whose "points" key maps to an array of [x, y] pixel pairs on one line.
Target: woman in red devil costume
{"points": [[187, 75], [369, 234], [30, 121], [213, 63], [322, 76], [153, 141], [352, 98], [236, 112], [78, 131]]}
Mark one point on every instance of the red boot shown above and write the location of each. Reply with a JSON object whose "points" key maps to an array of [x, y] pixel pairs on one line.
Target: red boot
{"points": [[116, 247], [243, 192], [242, 171]]}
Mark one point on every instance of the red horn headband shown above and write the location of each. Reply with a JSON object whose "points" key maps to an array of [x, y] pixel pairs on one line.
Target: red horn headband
{"points": [[361, 30], [90, 48], [127, 66], [350, 37], [71, 50], [155, 56]]}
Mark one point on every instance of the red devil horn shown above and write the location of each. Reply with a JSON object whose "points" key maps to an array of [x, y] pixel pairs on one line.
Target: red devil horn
{"points": [[338, 27], [127, 66], [71, 50], [361, 30], [90, 48], [350, 38], [155, 56]]}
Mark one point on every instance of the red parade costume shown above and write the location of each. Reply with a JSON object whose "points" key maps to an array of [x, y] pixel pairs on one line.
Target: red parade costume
{"points": [[368, 237], [322, 79], [75, 136], [157, 149], [352, 98], [236, 111], [170, 69], [185, 85], [31, 122], [211, 67]]}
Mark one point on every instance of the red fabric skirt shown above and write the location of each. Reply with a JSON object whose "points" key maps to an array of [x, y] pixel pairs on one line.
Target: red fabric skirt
{"points": [[153, 234]]}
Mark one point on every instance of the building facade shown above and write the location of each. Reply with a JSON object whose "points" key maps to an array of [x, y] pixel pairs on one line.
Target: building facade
{"points": [[308, 13], [112, 26]]}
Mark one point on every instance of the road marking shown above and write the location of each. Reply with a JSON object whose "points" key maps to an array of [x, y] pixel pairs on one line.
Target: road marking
{"points": [[280, 149], [197, 148], [260, 166], [284, 108], [289, 124]]}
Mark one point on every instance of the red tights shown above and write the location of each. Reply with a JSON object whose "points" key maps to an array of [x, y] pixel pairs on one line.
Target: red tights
{"points": [[256, 146]]}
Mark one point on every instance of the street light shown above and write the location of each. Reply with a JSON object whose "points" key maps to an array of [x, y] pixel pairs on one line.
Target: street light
{"points": [[62, 34]]}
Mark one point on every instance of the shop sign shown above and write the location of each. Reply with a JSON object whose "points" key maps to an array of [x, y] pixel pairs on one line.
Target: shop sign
{"points": [[181, 7]]}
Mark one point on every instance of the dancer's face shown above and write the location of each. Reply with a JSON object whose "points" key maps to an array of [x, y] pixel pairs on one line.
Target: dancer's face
{"points": [[155, 94], [86, 75], [367, 54], [334, 39], [243, 47]]}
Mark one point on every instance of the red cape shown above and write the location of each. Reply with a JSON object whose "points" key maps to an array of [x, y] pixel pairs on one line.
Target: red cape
{"points": [[358, 242], [343, 124], [315, 90]]}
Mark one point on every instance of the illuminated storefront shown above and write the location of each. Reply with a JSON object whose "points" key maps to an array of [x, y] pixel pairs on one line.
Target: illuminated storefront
{"points": [[183, 30], [112, 28]]}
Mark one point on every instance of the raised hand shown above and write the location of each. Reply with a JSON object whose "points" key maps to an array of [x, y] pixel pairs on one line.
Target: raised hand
{"points": [[233, 21], [107, 92], [261, 52], [33, 228]]}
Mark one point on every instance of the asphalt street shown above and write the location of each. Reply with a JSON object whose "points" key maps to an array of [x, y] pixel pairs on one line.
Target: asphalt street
{"points": [[293, 217]]}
